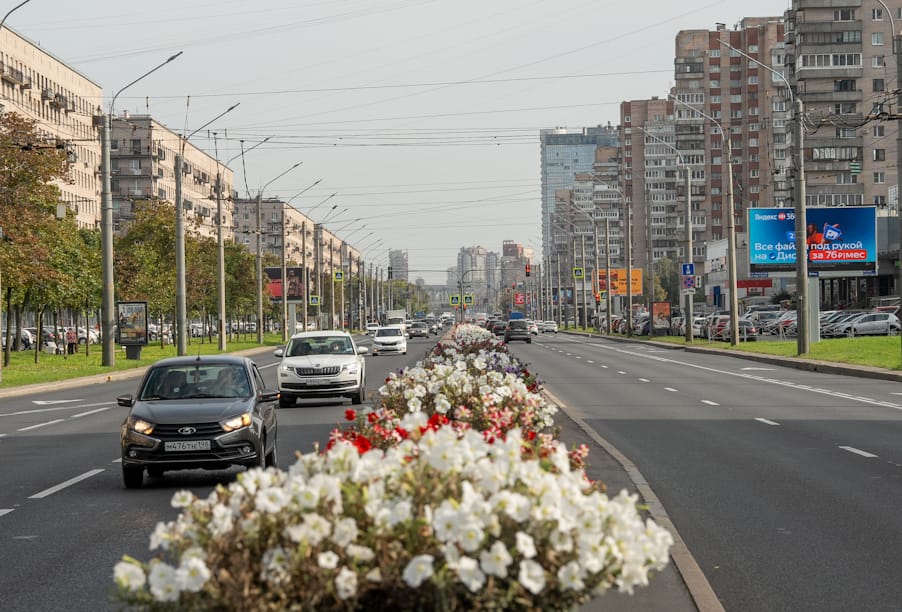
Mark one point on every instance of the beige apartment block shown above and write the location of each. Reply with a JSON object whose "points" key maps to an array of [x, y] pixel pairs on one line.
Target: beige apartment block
{"points": [[142, 167], [840, 57], [63, 102]]}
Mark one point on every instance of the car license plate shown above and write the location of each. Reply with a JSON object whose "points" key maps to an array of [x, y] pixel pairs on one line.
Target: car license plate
{"points": [[187, 445]]}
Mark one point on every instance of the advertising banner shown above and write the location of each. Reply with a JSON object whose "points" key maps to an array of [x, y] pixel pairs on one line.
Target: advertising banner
{"points": [[295, 284], [842, 239], [132, 323], [618, 281], [660, 312]]}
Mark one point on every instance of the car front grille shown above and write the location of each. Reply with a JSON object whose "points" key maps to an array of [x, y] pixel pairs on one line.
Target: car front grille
{"points": [[171, 431], [327, 371]]}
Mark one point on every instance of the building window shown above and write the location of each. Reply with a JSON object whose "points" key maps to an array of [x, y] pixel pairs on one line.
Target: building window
{"points": [[753, 80], [877, 39], [877, 61], [845, 108], [880, 201], [879, 154], [846, 179], [753, 127], [879, 178], [844, 85], [714, 53], [845, 132], [844, 15], [877, 14], [878, 85], [879, 130], [753, 48], [714, 84]]}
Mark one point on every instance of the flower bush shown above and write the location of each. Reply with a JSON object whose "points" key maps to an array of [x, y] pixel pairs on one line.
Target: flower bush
{"points": [[446, 496]]}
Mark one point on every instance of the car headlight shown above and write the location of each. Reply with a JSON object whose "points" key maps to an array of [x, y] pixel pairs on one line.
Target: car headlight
{"points": [[242, 420], [140, 425], [351, 368], [285, 368]]}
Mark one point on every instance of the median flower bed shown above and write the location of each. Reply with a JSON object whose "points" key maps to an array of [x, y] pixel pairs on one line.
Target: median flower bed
{"points": [[462, 501]]}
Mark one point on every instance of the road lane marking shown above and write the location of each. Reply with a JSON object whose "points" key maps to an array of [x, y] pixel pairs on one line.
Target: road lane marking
{"points": [[269, 365], [81, 414], [605, 367], [5, 511], [857, 451], [710, 403], [53, 422], [644, 380], [590, 361], [578, 357], [63, 485], [55, 409], [621, 372], [3, 435], [671, 389], [758, 369], [52, 402], [766, 421]]}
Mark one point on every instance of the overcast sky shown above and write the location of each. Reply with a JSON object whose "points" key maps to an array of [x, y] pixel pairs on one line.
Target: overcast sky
{"points": [[423, 115]]}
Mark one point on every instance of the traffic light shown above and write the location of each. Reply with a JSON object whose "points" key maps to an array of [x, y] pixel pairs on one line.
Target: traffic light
{"points": [[390, 274], [527, 270], [597, 299]]}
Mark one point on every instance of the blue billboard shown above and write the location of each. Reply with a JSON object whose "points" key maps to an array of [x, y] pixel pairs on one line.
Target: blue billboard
{"points": [[842, 239]]}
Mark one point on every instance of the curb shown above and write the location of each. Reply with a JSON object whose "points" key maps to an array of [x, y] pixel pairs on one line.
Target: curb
{"points": [[699, 588]]}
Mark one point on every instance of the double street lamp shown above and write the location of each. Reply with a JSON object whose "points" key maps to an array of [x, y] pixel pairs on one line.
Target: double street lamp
{"points": [[108, 319]]}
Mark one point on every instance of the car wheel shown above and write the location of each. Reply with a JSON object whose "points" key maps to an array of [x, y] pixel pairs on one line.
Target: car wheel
{"points": [[286, 401], [529, 341], [360, 396], [132, 477], [272, 457]]}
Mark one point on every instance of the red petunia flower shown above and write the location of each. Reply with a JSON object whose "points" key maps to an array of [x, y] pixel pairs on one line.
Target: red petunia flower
{"points": [[350, 415]]}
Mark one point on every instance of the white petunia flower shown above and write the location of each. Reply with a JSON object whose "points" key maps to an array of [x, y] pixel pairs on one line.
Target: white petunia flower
{"points": [[532, 576], [275, 565], [495, 560], [374, 575], [182, 499], [345, 583], [163, 582], [571, 575], [192, 574], [327, 560], [418, 570], [162, 536], [526, 545], [345, 532], [360, 553], [469, 573], [271, 499], [129, 576]]}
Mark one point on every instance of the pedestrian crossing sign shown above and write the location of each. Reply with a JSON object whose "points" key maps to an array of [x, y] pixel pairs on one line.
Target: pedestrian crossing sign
{"points": [[314, 300], [455, 300]]}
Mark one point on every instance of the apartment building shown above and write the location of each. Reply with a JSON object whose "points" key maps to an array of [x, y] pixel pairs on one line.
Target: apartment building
{"points": [[64, 103], [397, 259], [840, 60], [142, 167]]}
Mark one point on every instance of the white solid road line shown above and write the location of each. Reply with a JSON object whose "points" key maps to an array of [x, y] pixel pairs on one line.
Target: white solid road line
{"points": [[41, 425], [710, 403], [63, 485], [766, 421], [5, 511], [858, 451]]}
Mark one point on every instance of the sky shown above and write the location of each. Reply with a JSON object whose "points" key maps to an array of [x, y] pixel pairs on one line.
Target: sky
{"points": [[422, 116]]}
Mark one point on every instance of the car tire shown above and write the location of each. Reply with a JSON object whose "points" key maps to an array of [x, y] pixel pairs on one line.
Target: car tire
{"points": [[529, 341], [271, 460], [132, 477], [287, 401], [360, 395]]}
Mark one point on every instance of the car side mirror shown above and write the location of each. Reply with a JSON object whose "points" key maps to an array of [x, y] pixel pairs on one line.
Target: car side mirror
{"points": [[279, 352], [126, 400], [269, 396], [362, 350]]}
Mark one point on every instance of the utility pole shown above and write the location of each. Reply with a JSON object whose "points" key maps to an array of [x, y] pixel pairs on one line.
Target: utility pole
{"points": [[629, 268], [607, 267], [689, 296]]}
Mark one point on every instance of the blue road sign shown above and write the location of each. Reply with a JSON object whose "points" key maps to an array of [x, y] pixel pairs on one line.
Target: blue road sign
{"points": [[688, 269]]}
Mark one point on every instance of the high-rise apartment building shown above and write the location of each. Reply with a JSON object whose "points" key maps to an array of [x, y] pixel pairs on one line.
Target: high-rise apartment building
{"points": [[64, 103], [564, 153], [840, 60], [142, 167], [397, 259]]}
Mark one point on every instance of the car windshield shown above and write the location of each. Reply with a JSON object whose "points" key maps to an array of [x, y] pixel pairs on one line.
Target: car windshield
{"points": [[319, 345], [196, 381], [517, 324], [388, 331]]}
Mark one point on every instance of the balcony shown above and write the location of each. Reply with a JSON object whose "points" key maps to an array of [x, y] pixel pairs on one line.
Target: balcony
{"points": [[13, 75]]}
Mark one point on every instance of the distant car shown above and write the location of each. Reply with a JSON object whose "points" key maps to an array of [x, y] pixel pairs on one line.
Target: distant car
{"points": [[207, 411], [498, 327], [418, 329], [321, 364], [549, 326], [517, 329], [533, 327], [748, 331], [873, 323], [390, 339], [371, 328]]}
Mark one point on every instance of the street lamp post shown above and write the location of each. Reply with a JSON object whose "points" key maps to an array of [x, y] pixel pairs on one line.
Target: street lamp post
{"points": [[108, 320], [731, 224], [807, 318], [260, 253], [181, 310]]}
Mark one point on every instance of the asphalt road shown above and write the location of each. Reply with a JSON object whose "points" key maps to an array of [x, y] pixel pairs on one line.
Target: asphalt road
{"points": [[786, 485], [65, 518]]}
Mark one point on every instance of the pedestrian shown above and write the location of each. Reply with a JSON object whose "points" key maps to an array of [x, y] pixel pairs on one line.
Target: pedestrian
{"points": [[71, 341]]}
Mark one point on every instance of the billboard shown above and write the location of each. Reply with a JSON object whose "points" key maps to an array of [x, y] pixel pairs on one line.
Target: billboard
{"points": [[838, 239], [618, 281], [295, 284], [131, 320]]}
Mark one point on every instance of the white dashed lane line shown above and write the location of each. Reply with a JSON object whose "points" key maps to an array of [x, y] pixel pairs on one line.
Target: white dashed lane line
{"points": [[671, 389], [81, 414], [53, 422], [5, 511], [621, 372], [710, 403], [766, 421], [858, 451], [63, 485], [644, 380]]}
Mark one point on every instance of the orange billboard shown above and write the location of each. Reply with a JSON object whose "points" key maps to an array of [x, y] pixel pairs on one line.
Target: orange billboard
{"points": [[618, 281]]}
